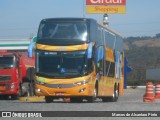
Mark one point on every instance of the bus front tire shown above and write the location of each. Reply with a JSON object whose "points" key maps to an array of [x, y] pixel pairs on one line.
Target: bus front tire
{"points": [[93, 98], [48, 99]]}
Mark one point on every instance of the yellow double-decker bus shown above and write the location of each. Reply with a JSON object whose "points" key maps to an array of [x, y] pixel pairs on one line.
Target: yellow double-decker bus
{"points": [[78, 58]]}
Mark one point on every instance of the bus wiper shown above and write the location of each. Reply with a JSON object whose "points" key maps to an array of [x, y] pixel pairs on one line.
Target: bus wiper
{"points": [[80, 74]]}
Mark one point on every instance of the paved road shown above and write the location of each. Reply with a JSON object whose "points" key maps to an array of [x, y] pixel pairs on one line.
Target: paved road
{"points": [[132, 100]]}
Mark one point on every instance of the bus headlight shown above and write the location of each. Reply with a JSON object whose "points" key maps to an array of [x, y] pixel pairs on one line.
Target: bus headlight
{"points": [[83, 82]]}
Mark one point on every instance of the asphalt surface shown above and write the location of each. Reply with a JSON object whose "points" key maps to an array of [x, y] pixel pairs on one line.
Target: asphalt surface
{"points": [[131, 100]]}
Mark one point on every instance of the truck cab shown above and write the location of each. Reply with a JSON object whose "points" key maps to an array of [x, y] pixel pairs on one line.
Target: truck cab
{"points": [[9, 78], [15, 75]]}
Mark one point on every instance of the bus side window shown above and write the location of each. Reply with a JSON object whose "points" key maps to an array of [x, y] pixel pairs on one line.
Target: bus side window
{"points": [[110, 69], [100, 67]]}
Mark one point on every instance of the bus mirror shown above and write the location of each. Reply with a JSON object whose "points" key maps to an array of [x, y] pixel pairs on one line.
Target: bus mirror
{"points": [[30, 50], [89, 52], [34, 39]]}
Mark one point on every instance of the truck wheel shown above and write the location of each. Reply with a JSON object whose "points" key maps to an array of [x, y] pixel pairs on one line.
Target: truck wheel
{"points": [[24, 89]]}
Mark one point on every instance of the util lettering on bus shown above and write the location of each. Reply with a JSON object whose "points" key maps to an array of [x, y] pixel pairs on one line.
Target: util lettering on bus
{"points": [[105, 2]]}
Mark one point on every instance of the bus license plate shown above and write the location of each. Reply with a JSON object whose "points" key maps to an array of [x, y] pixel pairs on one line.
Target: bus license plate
{"points": [[59, 94]]}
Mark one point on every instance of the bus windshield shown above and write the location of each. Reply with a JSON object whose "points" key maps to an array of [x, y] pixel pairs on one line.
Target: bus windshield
{"points": [[6, 62], [61, 64], [63, 30]]}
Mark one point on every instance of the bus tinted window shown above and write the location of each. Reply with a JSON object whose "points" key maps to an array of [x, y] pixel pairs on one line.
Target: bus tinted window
{"points": [[63, 30], [110, 69], [61, 64]]}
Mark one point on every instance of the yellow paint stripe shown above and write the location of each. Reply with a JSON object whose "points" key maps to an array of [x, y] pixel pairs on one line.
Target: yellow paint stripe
{"points": [[29, 99], [61, 48]]}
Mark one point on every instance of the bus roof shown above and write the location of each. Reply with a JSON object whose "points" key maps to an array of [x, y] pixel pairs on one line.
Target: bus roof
{"points": [[108, 28], [65, 19], [81, 19]]}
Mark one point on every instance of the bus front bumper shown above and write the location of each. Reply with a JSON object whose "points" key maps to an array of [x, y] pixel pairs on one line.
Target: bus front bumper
{"points": [[60, 90]]}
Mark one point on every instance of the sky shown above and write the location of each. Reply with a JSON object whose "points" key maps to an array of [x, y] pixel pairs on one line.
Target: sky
{"points": [[21, 18]]}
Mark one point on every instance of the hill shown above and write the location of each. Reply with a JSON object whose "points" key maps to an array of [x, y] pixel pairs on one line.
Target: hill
{"points": [[142, 53]]}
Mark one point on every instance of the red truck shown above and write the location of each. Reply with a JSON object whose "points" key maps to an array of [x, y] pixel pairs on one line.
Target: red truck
{"points": [[16, 74]]}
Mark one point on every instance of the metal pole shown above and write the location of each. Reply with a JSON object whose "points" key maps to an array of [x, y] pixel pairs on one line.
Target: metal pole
{"points": [[83, 8]]}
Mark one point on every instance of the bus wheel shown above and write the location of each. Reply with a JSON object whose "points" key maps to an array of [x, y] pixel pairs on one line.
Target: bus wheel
{"points": [[48, 99], [114, 97], [76, 100], [93, 98]]}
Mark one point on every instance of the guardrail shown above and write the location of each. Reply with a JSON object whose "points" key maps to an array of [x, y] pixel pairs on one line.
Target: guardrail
{"points": [[14, 44]]}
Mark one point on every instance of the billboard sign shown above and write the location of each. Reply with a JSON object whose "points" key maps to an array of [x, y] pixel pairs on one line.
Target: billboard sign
{"points": [[105, 2], [105, 6]]}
